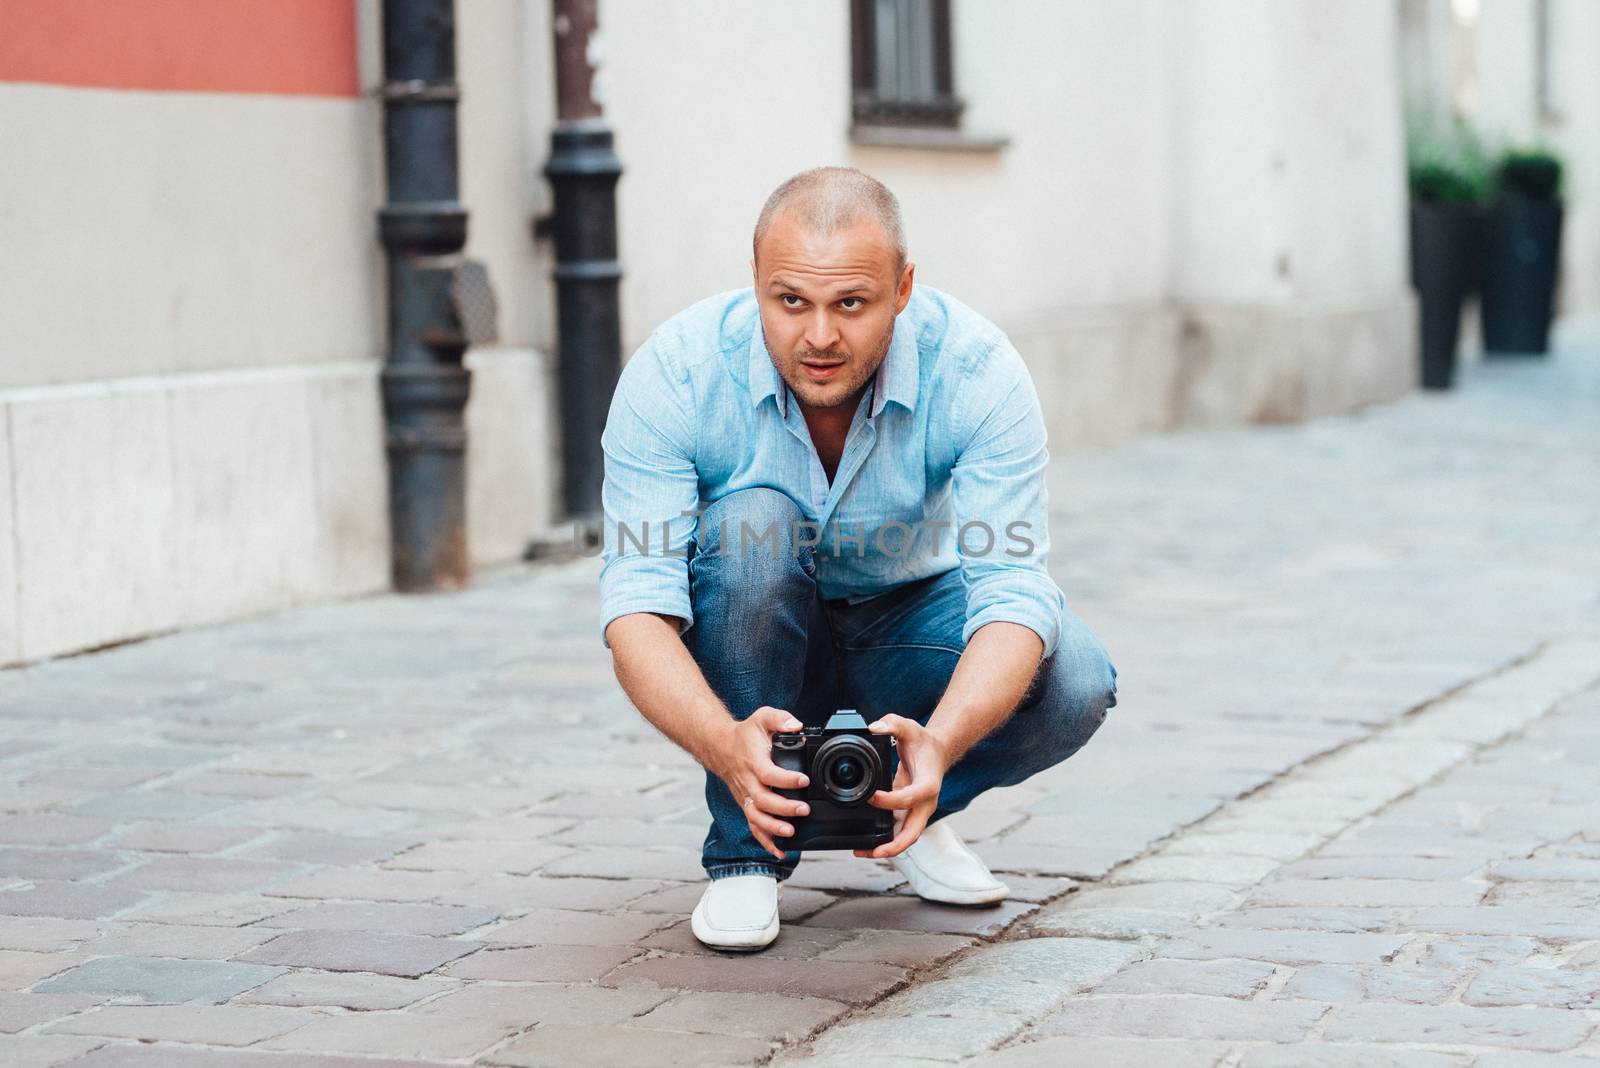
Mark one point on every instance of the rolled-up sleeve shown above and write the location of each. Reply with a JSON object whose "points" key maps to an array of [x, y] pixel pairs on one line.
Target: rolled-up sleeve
{"points": [[650, 482], [998, 488]]}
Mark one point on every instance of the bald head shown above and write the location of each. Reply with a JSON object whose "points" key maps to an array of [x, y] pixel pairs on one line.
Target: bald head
{"points": [[825, 199]]}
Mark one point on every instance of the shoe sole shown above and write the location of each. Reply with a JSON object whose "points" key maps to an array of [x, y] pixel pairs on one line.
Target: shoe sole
{"points": [[973, 897]]}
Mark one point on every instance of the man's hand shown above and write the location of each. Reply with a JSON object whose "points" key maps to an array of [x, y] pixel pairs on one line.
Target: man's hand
{"points": [[923, 762], [744, 763]]}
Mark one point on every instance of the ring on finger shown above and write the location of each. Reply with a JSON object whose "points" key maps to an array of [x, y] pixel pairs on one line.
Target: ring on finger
{"points": [[749, 801]]}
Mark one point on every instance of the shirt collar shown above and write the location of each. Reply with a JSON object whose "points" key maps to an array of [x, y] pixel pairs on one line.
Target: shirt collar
{"points": [[895, 380], [764, 378]]}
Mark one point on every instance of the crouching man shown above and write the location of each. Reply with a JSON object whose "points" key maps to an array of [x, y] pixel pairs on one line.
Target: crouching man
{"points": [[827, 492]]}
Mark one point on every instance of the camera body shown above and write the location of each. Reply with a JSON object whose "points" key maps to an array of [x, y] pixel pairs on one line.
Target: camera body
{"points": [[846, 764]]}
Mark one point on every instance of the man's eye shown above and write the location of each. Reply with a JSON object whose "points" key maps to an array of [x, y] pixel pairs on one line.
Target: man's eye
{"points": [[787, 297], [854, 301]]}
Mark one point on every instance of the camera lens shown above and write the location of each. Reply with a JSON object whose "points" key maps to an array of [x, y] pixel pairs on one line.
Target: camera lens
{"points": [[850, 768], [847, 773]]}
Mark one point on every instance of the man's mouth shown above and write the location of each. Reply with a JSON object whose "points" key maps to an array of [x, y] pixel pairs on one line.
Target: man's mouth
{"points": [[819, 372]]}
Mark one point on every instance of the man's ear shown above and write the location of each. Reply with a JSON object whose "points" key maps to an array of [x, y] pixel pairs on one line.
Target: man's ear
{"points": [[902, 295], [752, 268]]}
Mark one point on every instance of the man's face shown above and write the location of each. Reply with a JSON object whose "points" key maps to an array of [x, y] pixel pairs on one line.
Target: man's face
{"points": [[828, 303]]}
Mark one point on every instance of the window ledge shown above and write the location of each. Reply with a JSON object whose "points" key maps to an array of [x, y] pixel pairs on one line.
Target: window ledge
{"points": [[934, 137]]}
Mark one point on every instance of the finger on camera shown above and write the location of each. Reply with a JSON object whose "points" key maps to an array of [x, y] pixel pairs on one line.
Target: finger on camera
{"points": [[775, 720], [767, 811], [770, 825], [774, 776], [898, 799], [767, 801]]}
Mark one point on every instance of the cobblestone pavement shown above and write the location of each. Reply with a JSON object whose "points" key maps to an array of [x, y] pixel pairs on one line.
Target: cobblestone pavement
{"points": [[1344, 812]]}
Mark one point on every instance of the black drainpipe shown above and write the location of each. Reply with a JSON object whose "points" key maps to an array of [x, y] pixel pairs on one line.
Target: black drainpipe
{"points": [[583, 171], [424, 228]]}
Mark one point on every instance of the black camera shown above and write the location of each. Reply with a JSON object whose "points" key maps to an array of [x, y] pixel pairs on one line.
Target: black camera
{"points": [[846, 764]]}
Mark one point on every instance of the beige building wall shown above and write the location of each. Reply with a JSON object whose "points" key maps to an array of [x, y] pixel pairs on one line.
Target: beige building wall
{"points": [[1290, 258], [192, 337], [504, 60], [1197, 215]]}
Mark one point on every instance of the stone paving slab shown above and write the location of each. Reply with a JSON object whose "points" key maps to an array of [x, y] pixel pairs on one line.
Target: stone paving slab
{"points": [[393, 1034], [18, 1012], [559, 1045], [363, 991], [1345, 803], [42, 1051], [157, 979], [167, 1055], [743, 1014], [213, 1025], [1184, 1016], [379, 952], [852, 981]]}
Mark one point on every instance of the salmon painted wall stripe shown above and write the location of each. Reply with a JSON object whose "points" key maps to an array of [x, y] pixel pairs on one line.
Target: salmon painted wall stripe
{"points": [[291, 47]]}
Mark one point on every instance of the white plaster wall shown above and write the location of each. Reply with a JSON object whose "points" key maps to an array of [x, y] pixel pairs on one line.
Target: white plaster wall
{"points": [[497, 54], [1576, 43], [189, 390], [1344, 140], [182, 231], [96, 527], [513, 460], [1505, 55], [351, 476], [503, 55], [1231, 196], [716, 102], [1213, 159], [10, 647], [1290, 171], [142, 504], [1073, 214], [1289, 210], [1425, 54]]}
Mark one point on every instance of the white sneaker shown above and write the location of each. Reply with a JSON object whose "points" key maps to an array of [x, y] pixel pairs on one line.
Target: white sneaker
{"points": [[940, 867], [739, 912]]}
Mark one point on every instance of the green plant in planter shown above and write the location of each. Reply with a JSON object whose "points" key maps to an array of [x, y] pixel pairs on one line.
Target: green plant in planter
{"points": [[1533, 173], [1449, 177], [1522, 252], [1447, 165]]}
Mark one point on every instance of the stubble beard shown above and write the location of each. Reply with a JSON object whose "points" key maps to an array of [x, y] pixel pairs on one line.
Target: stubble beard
{"points": [[832, 394]]}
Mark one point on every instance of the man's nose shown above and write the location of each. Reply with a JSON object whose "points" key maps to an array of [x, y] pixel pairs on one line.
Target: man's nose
{"points": [[822, 333]]}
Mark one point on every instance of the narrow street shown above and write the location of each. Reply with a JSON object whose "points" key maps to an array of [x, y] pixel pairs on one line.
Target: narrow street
{"points": [[1343, 813]]}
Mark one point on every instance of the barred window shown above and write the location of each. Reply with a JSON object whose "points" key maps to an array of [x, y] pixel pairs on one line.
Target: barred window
{"points": [[901, 64]]}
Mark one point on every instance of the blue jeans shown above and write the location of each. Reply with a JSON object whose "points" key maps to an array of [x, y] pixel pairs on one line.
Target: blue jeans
{"points": [[763, 635]]}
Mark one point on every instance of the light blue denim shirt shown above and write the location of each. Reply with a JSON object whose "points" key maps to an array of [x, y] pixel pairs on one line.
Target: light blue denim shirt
{"points": [[943, 465]]}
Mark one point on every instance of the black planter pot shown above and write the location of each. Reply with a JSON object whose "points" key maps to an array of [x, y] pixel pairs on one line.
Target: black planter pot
{"points": [[1446, 246], [1522, 251]]}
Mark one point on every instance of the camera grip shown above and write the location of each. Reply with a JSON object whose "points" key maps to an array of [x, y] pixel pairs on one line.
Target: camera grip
{"points": [[790, 758]]}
